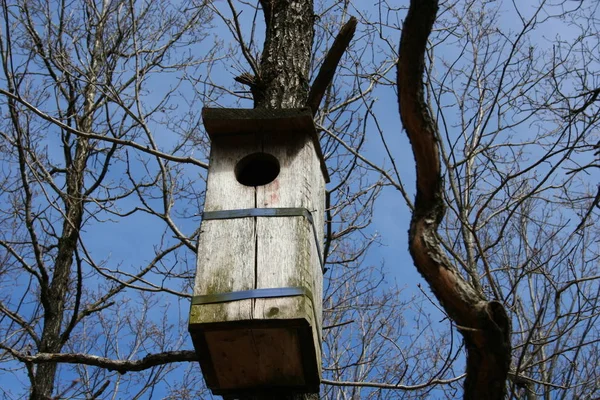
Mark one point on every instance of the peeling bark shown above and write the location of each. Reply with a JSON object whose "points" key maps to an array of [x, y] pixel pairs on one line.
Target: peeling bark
{"points": [[484, 324]]}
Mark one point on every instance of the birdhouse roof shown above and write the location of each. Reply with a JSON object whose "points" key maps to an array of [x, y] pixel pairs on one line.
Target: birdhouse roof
{"points": [[220, 122]]}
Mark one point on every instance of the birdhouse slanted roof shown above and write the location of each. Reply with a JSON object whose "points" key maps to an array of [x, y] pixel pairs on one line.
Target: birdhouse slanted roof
{"points": [[220, 122]]}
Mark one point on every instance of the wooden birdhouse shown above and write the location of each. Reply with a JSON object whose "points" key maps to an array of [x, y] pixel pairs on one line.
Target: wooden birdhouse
{"points": [[256, 313]]}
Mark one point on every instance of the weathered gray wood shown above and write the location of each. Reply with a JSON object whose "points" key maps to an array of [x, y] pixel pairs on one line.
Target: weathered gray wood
{"points": [[264, 342], [287, 253], [226, 248]]}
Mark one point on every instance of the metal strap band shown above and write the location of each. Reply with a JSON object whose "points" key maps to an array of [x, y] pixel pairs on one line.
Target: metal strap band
{"points": [[259, 294], [269, 212], [251, 294]]}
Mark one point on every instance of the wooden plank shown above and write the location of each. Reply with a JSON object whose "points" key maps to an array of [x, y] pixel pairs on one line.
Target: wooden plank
{"points": [[226, 248], [259, 358], [233, 121], [286, 250], [279, 359], [234, 354], [318, 193]]}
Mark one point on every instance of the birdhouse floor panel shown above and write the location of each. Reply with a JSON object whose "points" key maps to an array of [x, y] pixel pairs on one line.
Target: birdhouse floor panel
{"points": [[257, 356], [246, 357]]}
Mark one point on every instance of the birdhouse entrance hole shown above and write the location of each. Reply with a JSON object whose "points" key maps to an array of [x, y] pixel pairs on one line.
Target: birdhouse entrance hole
{"points": [[257, 169]]}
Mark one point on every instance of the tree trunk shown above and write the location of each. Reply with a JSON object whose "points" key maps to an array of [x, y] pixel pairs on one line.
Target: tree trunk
{"points": [[54, 288], [282, 81], [484, 324], [54, 295], [285, 61]]}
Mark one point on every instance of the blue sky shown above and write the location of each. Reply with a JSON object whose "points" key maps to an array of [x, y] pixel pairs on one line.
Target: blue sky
{"points": [[130, 243]]}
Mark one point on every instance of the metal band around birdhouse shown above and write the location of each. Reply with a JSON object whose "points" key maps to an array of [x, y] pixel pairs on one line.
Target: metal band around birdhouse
{"points": [[258, 294], [269, 212], [252, 294]]}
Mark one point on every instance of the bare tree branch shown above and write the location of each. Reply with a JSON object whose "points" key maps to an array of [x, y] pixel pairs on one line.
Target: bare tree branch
{"points": [[89, 135], [120, 366]]}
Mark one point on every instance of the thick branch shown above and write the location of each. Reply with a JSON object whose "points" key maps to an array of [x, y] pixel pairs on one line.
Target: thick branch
{"points": [[428, 384], [330, 63], [121, 366], [484, 325]]}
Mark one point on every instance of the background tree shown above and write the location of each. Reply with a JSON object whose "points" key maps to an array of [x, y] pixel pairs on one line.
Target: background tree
{"points": [[490, 182], [103, 158], [79, 156], [96, 145], [484, 324]]}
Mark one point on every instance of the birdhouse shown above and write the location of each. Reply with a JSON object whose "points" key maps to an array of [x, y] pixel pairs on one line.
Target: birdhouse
{"points": [[256, 313]]}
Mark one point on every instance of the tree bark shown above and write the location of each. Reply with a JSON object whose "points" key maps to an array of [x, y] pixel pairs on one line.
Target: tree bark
{"points": [[484, 324], [283, 80], [54, 295], [285, 61]]}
